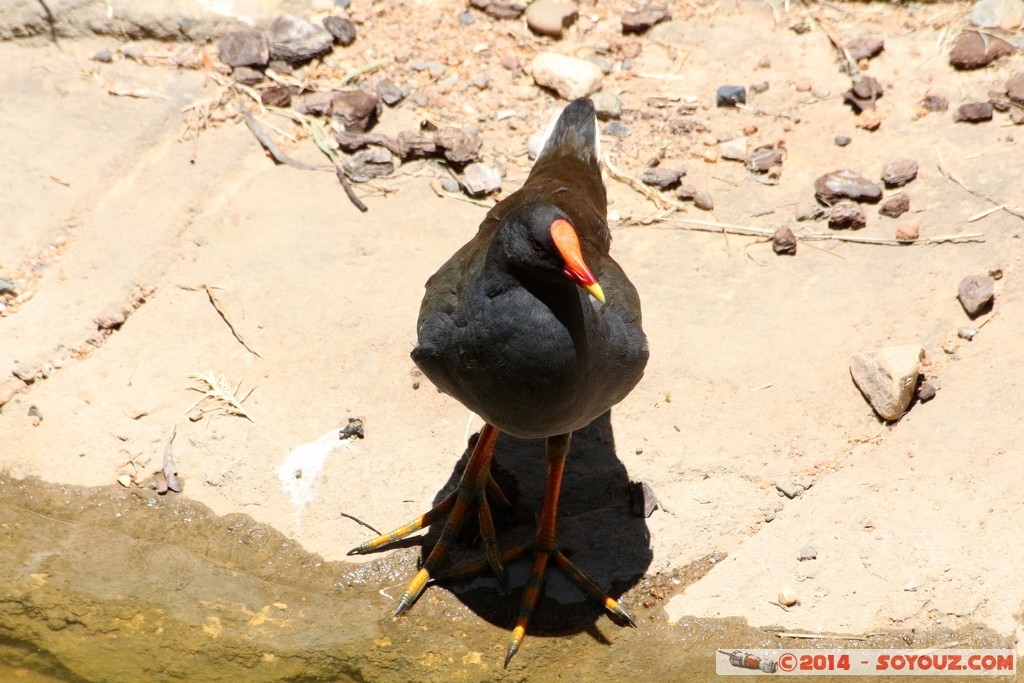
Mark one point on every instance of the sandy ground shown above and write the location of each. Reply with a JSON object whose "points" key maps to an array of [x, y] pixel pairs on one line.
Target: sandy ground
{"points": [[914, 523]]}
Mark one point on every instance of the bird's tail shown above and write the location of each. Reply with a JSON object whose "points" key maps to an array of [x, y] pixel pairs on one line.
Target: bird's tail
{"points": [[574, 132]]}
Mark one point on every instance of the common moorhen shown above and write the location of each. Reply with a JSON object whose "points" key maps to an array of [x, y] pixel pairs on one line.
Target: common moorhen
{"points": [[517, 328]]}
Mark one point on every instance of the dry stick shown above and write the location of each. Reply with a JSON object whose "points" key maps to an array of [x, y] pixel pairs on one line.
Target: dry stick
{"points": [[749, 231], [946, 171], [224, 316], [264, 139], [638, 186], [359, 521], [851, 65], [317, 133]]}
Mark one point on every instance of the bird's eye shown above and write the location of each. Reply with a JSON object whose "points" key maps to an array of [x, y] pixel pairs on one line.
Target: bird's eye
{"points": [[537, 246]]}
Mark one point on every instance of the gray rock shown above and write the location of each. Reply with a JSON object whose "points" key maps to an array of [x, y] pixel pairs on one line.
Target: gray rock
{"points": [[372, 162], [480, 81], [550, 17], [601, 63], [926, 392], [480, 180], [976, 293], [661, 177], [842, 140], [341, 29], [315, 103], [107, 56], [735, 149], [1007, 14], [808, 552], [865, 47], [642, 501], [788, 488], [25, 372], [974, 112], [412, 145], [847, 216], [934, 102], [607, 105], [450, 185], [616, 129], [686, 192], [887, 378], [460, 147], [895, 207], [846, 184], [968, 333], [784, 241], [500, 9], [244, 48], [388, 92], [641, 20], [8, 287], [296, 40], [568, 76], [704, 201], [899, 173], [763, 158], [467, 18]]}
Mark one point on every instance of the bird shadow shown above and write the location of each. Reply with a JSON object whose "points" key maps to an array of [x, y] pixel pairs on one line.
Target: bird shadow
{"points": [[596, 530]]}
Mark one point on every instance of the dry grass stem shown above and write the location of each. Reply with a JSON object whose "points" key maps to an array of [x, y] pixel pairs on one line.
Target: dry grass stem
{"points": [[216, 390]]}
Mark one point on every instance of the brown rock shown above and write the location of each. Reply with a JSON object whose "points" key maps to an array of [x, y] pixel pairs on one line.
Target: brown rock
{"points": [[244, 48], [550, 17], [1015, 87], [976, 293], [863, 93], [847, 216], [356, 110], [370, 163], [276, 96], [641, 20], [296, 40], [972, 50], [908, 231], [246, 75], [661, 177], [974, 112], [459, 147], [899, 173], [415, 145], [315, 103], [895, 206], [341, 29], [865, 47], [846, 184], [784, 241], [933, 102]]}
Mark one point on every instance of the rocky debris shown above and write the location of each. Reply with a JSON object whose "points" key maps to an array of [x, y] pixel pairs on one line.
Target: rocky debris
{"points": [[110, 321], [842, 140], [642, 501], [314, 103], [908, 231], [570, 77], [847, 216], [925, 392], [846, 184], [244, 48], [887, 378], [297, 41], [459, 146], [974, 112], [894, 207], [730, 95], [550, 17], [807, 553], [1015, 87], [480, 180], [704, 201], [355, 110], [784, 241], [353, 142], [976, 293], [764, 158], [106, 56], [686, 192], [865, 47], [869, 119], [899, 173], [372, 162], [607, 105], [788, 488], [734, 149], [616, 129], [500, 9], [933, 102], [641, 20], [974, 50], [863, 93], [662, 177], [341, 29]]}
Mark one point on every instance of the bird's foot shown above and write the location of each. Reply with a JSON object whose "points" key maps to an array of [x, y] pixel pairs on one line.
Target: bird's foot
{"points": [[474, 486]]}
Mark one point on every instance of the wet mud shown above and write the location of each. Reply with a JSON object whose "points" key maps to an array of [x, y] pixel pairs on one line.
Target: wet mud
{"points": [[111, 584]]}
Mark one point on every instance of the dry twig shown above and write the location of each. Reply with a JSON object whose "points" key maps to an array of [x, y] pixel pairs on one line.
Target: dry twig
{"points": [[651, 194], [945, 170], [224, 316]]}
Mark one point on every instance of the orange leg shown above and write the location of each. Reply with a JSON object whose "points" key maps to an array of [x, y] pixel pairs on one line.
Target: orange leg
{"points": [[546, 548], [476, 482]]}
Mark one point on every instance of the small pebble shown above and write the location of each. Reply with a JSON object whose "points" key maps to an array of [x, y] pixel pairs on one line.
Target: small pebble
{"points": [[894, 207], [974, 112], [865, 47], [973, 50], [550, 17], [341, 29], [976, 293], [641, 20], [296, 40], [968, 333], [24, 372], [908, 231], [480, 180], [244, 48], [450, 184], [735, 149], [607, 105], [467, 18], [899, 173], [788, 488], [787, 597], [703, 201], [846, 184], [847, 216], [103, 56], [926, 392], [661, 177], [807, 553], [616, 129], [843, 140]]}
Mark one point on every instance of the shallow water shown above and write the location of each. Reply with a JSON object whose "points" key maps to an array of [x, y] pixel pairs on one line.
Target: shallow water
{"points": [[111, 584]]}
